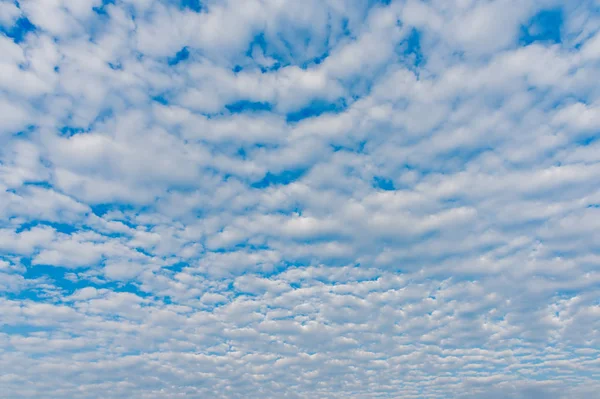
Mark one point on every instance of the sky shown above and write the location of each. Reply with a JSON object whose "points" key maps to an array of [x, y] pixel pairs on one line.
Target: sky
{"points": [[299, 199]]}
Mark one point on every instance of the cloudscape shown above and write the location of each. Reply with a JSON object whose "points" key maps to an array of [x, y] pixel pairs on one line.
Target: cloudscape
{"points": [[299, 199]]}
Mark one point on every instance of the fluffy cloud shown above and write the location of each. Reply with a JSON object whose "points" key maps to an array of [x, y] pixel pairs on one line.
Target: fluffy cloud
{"points": [[284, 199]]}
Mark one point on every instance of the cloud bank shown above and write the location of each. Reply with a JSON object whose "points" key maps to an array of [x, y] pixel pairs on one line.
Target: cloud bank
{"points": [[285, 199]]}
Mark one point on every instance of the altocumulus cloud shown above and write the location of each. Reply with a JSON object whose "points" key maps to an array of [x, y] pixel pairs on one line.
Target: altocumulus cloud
{"points": [[300, 199]]}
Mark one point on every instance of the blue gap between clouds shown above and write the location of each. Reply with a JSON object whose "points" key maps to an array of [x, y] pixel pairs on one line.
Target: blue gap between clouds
{"points": [[283, 178], [115, 66], [410, 50], [279, 268], [260, 41], [25, 132], [19, 30], [70, 131], [379, 2], [358, 147], [101, 10], [104, 115], [345, 27], [316, 108], [383, 183], [313, 109], [57, 275], [177, 267], [194, 5], [315, 60], [102, 209], [588, 139], [281, 60], [545, 26], [23, 329], [42, 184], [241, 246], [180, 56], [161, 99], [248, 106], [242, 151], [60, 227]]}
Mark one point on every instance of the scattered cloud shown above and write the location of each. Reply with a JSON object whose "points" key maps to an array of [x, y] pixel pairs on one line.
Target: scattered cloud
{"points": [[299, 199]]}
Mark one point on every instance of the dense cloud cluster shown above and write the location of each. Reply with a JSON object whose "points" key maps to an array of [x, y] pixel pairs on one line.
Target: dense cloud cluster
{"points": [[299, 199]]}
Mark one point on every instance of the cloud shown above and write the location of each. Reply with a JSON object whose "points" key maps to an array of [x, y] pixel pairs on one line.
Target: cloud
{"points": [[299, 199]]}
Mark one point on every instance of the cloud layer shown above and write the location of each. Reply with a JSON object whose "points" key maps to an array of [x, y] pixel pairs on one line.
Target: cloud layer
{"points": [[265, 198]]}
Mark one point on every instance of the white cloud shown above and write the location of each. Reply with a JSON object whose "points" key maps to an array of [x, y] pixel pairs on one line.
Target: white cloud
{"points": [[9, 13]]}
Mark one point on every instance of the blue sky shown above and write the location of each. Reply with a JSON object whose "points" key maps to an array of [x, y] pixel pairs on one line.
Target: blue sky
{"points": [[300, 199]]}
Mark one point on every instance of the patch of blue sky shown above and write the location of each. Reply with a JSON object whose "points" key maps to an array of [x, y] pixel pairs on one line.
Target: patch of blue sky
{"points": [[295, 47], [180, 56], [143, 251], [242, 153], [71, 130], [177, 266], [316, 60], [24, 133], [587, 140], [282, 178], [245, 245], [60, 227], [411, 49], [345, 27], [42, 184], [104, 115], [264, 55], [54, 275], [104, 208], [248, 106], [356, 147], [19, 31], [101, 9], [545, 26], [281, 267], [115, 66], [383, 183], [161, 99], [258, 41], [380, 2], [127, 212], [126, 286], [316, 108], [22, 329], [193, 5], [62, 278]]}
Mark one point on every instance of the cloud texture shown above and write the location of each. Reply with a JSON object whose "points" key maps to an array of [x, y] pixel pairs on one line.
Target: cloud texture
{"points": [[299, 199]]}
